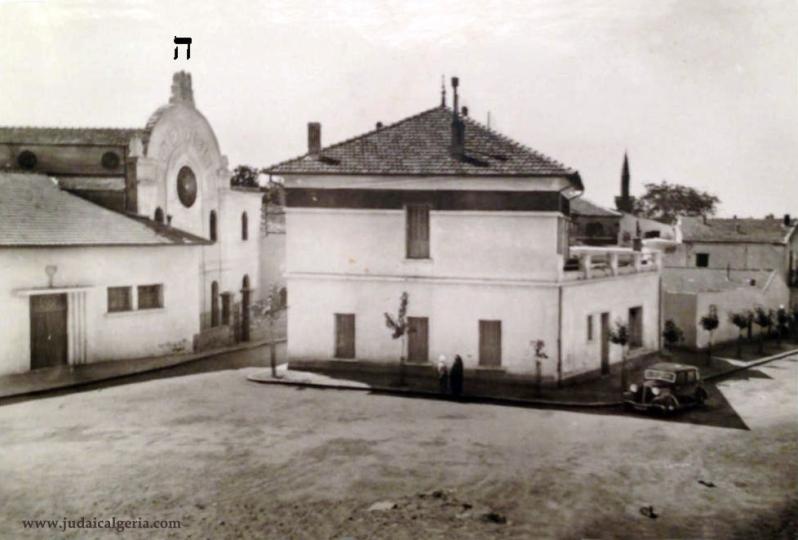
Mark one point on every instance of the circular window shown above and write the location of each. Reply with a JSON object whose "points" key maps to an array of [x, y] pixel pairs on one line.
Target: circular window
{"points": [[110, 160], [27, 159], [186, 187]]}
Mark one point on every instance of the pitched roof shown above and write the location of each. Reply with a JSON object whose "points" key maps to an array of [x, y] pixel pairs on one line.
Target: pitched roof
{"points": [[70, 135], [584, 207], [420, 145], [759, 231], [34, 211]]}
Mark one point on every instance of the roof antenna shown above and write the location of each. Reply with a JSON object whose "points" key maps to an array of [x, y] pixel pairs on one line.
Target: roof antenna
{"points": [[443, 90]]}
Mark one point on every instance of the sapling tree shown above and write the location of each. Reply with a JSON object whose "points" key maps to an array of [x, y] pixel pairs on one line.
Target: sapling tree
{"points": [[672, 334], [764, 320], [740, 319], [399, 328], [709, 323], [619, 335]]}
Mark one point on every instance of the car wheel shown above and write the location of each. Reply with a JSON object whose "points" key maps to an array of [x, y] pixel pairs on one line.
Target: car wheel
{"points": [[671, 405]]}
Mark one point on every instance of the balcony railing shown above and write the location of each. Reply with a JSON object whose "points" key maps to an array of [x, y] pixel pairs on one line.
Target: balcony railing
{"points": [[596, 262]]}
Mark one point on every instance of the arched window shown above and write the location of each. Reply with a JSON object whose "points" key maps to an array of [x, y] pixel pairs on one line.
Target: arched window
{"points": [[213, 226], [214, 304], [159, 215], [244, 226]]}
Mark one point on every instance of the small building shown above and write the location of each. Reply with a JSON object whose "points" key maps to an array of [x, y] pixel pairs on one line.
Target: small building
{"points": [[593, 225], [725, 266], [168, 177], [474, 227]]}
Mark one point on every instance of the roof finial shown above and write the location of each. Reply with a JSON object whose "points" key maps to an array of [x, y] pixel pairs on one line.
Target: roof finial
{"points": [[443, 90]]}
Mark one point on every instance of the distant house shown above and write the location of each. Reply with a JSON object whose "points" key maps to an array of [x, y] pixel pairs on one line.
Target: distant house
{"points": [[593, 225], [475, 228], [728, 265]]}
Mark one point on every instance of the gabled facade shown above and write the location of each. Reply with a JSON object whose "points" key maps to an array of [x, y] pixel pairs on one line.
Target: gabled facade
{"points": [[474, 228]]}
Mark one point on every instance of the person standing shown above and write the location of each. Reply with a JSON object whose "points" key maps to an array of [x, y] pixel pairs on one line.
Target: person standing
{"points": [[443, 375], [456, 377]]}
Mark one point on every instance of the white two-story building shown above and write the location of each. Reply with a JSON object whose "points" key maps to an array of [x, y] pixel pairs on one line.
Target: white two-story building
{"points": [[474, 227]]}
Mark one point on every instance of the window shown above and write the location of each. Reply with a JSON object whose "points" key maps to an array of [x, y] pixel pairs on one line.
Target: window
{"points": [[119, 299], [212, 225], [490, 343], [150, 296], [214, 304], [186, 187], [635, 327], [244, 227], [418, 339], [590, 327], [417, 227], [344, 335], [702, 260]]}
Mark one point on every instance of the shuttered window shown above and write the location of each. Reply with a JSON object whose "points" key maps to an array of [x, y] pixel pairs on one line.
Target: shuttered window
{"points": [[417, 231], [150, 296], [490, 343], [119, 299], [344, 335], [418, 339]]}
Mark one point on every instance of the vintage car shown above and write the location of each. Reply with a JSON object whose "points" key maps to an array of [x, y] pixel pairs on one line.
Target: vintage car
{"points": [[666, 388]]}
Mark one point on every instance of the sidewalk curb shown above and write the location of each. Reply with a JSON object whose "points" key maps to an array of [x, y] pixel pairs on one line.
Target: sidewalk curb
{"points": [[187, 359], [753, 364], [386, 390]]}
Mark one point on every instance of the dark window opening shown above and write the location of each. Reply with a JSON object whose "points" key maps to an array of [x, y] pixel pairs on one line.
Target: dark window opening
{"points": [[119, 299], [214, 304], [417, 230], [212, 225], [702, 260], [635, 327], [244, 227], [158, 215], [150, 296]]}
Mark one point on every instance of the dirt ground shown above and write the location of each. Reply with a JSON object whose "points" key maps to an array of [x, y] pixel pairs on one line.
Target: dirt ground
{"points": [[235, 459]]}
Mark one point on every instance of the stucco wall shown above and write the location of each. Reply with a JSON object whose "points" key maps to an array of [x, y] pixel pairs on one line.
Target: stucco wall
{"points": [[737, 256], [614, 296], [454, 311], [110, 336], [509, 245]]}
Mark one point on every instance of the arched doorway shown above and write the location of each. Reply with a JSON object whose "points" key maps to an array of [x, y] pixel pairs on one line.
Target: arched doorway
{"points": [[158, 215], [245, 293]]}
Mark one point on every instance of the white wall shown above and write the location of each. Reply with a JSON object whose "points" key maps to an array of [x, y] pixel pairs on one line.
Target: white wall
{"points": [[496, 245], [454, 311], [110, 336], [738, 256], [597, 296]]}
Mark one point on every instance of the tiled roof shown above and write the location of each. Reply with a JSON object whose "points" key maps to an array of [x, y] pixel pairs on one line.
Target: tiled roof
{"points": [[420, 145], [34, 211], [53, 135], [760, 231], [584, 207]]}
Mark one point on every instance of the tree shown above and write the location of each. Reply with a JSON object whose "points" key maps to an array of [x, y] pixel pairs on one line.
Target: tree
{"points": [[709, 323], [742, 320], [245, 176], [763, 319], [665, 202], [620, 336], [399, 326], [672, 334]]}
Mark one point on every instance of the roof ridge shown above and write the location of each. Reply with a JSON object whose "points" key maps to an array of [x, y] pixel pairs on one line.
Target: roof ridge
{"points": [[361, 136]]}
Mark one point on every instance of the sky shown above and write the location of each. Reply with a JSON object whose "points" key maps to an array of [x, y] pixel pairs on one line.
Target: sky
{"points": [[703, 93]]}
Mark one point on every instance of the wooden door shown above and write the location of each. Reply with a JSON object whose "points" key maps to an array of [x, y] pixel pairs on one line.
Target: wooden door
{"points": [[48, 330], [605, 343], [418, 339], [344, 335], [490, 343]]}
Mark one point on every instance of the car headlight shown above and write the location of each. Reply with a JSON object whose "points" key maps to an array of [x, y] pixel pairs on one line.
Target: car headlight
{"points": [[656, 391], [633, 388]]}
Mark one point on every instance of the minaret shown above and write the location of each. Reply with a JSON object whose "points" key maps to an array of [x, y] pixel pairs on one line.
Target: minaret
{"points": [[624, 202]]}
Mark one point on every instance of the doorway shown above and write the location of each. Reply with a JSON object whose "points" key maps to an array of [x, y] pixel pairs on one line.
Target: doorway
{"points": [[48, 330], [245, 292], [605, 343], [418, 339]]}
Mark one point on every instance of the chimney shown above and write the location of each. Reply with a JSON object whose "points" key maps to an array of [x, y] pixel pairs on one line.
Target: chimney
{"points": [[787, 220], [314, 138], [458, 128]]}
